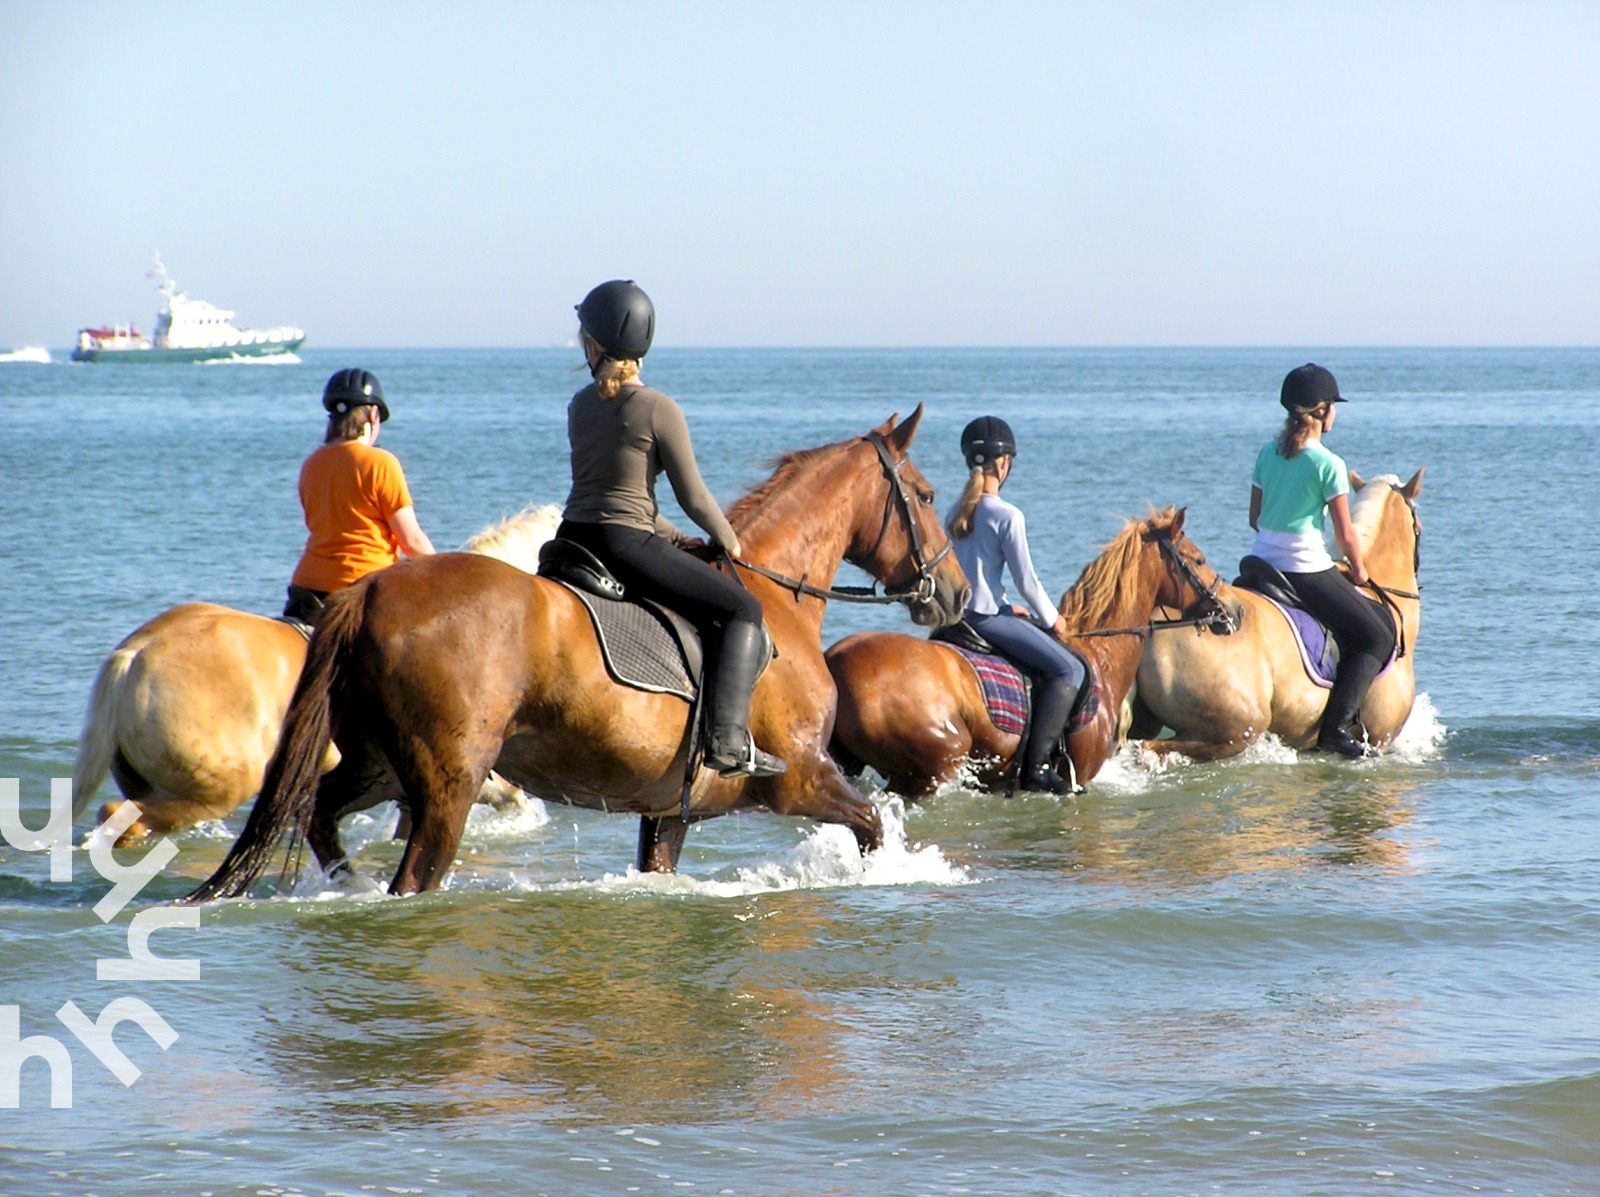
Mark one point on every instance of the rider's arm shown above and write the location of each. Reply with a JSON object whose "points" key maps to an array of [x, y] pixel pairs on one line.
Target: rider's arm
{"points": [[1255, 508], [1014, 544], [1344, 533], [413, 540], [677, 460]]}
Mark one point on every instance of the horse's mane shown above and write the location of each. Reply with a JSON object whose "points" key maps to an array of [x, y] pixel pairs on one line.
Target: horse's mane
{"points": [[1092, 600], [784, 470], [517, 538], [1366, 513]]}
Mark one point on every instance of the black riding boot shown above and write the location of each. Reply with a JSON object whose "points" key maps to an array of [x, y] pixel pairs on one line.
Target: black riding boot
{"points": [[731, 750], [1350, 687], [1052, 707]]}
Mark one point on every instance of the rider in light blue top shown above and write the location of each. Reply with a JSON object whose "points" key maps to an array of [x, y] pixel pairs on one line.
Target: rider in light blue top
{"points": [[990, 536]]}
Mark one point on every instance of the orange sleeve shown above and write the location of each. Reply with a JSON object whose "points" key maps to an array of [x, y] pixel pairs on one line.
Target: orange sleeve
{"points": [[389, 489]]}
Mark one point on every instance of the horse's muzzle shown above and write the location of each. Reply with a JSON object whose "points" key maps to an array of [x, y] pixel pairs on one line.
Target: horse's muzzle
{"points": [[944, 608]]}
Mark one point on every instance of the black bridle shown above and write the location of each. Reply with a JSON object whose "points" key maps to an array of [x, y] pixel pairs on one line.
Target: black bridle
{"points": [[1387, 594], [1215, 614], [919, 589]]}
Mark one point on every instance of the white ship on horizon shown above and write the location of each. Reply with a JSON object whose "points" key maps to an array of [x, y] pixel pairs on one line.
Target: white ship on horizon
{"points": [[187, 330], [37, 354]]}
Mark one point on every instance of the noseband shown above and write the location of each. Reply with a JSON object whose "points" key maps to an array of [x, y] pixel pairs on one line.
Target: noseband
{"points": [[1216, 614], [919, 589]]}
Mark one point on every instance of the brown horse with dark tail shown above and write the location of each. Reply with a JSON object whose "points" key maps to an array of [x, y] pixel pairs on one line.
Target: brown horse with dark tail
{"points": [[428, 674], [914, 711]]}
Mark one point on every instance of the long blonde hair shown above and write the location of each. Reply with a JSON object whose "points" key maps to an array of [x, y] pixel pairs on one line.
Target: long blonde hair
{"points": [[1298, 427], [959, 525]]}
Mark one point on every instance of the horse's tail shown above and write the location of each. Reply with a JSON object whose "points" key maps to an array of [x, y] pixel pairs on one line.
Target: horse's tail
{"points": [[98, 742], [289, 789]]}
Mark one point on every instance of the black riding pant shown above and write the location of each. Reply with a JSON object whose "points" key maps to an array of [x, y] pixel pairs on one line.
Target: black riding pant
{"points": [[1361, 627], [651, 566]]}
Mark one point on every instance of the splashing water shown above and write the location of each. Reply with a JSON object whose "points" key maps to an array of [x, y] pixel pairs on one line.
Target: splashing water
{"points": [[1422, 738], [827, 858]]}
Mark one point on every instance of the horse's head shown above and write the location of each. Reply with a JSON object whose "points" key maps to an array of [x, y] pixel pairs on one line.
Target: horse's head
{"points": [[1386, 522], [896, 535], [1187, 583]]}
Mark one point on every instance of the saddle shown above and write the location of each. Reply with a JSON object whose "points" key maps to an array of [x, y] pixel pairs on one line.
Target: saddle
{"points": [[1008, 690], [645, 644], [1319, 651]]}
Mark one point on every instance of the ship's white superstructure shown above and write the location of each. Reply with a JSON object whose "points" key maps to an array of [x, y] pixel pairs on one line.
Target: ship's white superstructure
{"points": [[187, 330]]}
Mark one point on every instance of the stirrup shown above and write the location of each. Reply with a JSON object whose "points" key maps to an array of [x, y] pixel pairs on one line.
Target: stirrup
{"points": [[1045, 780], [1344, 744], [748, 761]]}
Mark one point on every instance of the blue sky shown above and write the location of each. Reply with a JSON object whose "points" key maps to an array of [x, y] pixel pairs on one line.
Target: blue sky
{"points": [[811, 174]]}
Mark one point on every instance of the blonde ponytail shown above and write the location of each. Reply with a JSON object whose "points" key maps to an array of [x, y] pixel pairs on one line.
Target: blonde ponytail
{"points": [[960, 523], [1298, 427], [613, 373]]}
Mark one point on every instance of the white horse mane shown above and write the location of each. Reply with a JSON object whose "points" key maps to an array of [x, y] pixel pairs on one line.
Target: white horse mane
{"points": [[516, 539], [1366, 513]]}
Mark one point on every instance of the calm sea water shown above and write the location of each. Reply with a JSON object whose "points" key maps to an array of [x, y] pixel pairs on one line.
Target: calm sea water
{"points": [[1274, 975]]}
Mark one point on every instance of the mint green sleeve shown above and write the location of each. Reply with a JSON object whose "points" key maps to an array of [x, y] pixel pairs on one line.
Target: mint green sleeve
{"points": [[1335, 477], [1255, 472]]}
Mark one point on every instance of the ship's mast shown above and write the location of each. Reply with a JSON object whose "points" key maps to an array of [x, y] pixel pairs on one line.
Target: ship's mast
{"points": [[164, 283]]}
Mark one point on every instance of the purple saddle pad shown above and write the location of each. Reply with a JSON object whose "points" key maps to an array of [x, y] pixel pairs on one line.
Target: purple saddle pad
{"points": [[1318, 652]]}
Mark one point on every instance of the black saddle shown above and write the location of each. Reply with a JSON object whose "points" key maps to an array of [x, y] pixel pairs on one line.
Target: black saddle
{"points": [[962, 634], [1258, 575], [568, 561]]}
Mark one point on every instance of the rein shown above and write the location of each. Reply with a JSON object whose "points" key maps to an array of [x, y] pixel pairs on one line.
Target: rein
{"points": [[1217, 614], [920, 589]]}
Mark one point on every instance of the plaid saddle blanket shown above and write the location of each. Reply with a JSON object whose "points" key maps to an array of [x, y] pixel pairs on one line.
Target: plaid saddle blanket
{"points": [[1007, 693]]}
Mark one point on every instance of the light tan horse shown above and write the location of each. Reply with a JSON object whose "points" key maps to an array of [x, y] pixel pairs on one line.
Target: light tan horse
{"points": [[913, 709], [1220, 693], [430, 672], [185, 712]]}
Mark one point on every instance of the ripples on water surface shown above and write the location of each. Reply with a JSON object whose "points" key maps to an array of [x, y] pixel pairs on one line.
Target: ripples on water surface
{"points": [[1279, 974]]}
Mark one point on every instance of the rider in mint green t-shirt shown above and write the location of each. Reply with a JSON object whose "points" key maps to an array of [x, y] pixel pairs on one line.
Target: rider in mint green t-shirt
{"points": [[1295, 482]]}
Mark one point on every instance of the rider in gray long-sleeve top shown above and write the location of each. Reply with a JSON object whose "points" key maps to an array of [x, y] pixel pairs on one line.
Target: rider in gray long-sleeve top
{"points": [[623, 436]]}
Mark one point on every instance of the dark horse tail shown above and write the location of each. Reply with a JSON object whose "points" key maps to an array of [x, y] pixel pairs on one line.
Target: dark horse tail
{"points": [[289, 789]]}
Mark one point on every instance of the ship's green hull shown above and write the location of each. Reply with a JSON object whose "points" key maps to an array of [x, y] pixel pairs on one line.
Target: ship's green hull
{"points": [[218, 353]]}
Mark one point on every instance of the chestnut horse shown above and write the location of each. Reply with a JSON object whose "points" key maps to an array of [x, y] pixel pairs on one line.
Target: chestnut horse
{"points": [[185, 712], [914, 711], [1219, 694], [428, 673]]}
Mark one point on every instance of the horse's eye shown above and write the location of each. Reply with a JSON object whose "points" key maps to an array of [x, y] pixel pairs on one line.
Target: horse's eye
{"points": [[1200, 560], [926, 496]]}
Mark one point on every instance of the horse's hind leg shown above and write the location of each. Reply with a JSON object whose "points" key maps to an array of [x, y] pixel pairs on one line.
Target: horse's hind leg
{"points": [[660, 843]]}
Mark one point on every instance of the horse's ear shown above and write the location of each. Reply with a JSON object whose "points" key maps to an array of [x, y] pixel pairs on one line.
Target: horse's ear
{"points": [[887, 426], [1177, 521], [900, 439], [1357, 482], [1413, 488]]}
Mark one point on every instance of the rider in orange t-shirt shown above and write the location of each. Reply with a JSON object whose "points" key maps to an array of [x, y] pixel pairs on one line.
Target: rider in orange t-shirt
{"points": [[358, 508]]}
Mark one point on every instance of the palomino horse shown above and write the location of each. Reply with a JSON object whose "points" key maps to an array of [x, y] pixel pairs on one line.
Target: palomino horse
{"points": [[185, 712], [913, 709], [1219, 693], [427, 674]]}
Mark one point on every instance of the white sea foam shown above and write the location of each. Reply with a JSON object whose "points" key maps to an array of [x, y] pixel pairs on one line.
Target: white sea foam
{"points": [[1422, 737], [827, 858], [514, 820]]}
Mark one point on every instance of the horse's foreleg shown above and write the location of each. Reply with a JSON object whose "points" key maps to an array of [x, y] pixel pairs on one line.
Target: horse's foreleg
{"points": [[815, 789], [660, 843]]}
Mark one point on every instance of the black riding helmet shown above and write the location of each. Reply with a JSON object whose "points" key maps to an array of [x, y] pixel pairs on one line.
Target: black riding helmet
{"points": [[354, 388], [1308, 387], [987, 439], [619, 318]]}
